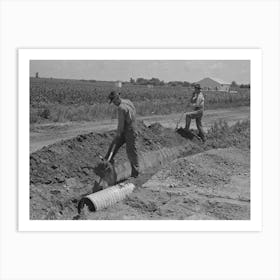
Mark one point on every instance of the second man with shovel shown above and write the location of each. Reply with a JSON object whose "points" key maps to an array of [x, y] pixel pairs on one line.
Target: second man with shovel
{"points": [[197, 102]]}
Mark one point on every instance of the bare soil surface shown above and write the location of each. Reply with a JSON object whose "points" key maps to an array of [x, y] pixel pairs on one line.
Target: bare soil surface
{"points": [[213, 185], [63, 172], [46, 134]]}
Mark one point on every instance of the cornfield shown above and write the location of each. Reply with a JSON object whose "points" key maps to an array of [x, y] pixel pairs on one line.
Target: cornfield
{"points": [[58, 100]]}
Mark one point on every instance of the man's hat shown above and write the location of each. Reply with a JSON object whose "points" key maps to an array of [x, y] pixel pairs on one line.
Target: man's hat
{"points": [[197, 86], [112, 95]]}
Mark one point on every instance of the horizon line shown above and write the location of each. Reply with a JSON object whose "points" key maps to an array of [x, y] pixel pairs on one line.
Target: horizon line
{"points": [[127, 81]]}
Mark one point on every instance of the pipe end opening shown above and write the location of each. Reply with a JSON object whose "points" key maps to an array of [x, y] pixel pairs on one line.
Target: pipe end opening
{"points": [[86, 202]]}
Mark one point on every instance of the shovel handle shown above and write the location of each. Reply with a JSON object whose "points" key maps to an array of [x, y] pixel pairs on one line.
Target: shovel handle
{"points": [[111, 153]]}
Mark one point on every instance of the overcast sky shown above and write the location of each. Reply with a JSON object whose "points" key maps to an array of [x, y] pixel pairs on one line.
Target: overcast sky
{"points": [[167, 70]]}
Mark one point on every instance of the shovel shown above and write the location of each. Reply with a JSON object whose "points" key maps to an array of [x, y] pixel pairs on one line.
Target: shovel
{"points": [[179, 120], [97, 185]]}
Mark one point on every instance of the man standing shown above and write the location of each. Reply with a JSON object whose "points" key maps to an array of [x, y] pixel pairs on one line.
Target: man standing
{"points": [[126, 131], [197, 102]]}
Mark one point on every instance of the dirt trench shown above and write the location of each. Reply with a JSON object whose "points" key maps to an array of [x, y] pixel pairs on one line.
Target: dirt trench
{"points": [[76, 157], [212, 185], [62, 173]]}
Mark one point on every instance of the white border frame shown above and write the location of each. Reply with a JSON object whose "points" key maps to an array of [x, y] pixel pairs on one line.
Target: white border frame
{"points": [[254, 55]]}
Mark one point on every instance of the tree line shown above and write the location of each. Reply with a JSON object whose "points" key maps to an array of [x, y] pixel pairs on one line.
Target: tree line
{"points": [[158, 82]]}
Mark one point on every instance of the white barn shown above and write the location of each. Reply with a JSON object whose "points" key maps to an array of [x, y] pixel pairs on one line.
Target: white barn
{"points": [[214, 84]]}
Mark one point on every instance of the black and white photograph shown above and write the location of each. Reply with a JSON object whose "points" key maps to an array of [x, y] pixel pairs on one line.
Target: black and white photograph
{"points": [[140, 139]]}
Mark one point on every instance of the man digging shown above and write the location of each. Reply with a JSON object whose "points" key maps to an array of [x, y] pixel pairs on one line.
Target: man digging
{"points": [[126, 131], [197, 102]]}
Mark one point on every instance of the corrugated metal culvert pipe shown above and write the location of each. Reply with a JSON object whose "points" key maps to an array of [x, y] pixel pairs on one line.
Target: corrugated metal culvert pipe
{"points": [[106, 197], [111, 195], [148, 160]]}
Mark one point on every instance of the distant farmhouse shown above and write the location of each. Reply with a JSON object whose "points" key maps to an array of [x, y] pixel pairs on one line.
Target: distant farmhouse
{"points": [[214, 84]]}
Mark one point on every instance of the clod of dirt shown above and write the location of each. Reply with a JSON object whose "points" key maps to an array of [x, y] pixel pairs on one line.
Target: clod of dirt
{"points": [[156, 127], [191, 134]]}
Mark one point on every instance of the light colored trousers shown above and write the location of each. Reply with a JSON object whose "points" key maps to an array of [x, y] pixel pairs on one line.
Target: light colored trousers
{"points": [[197, 115]]}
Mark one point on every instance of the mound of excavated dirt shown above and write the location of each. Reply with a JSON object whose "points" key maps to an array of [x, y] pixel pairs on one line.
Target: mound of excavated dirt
{"points": [[62, 173], [78, 156], [206, 186]]}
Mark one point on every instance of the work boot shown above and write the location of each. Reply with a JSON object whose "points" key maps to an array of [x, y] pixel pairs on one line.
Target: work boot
{"points": [[134, 173]]}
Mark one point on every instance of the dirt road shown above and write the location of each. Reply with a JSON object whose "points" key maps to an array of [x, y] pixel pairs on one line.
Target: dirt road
{"points": [[45, 134]]}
